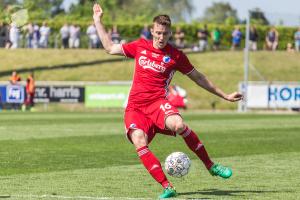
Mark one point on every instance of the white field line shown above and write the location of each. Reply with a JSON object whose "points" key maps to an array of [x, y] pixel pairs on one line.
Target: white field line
{"points": [[46, 196], [72, 197]]}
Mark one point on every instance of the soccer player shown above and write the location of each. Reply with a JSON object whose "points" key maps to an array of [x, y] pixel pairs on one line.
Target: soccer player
{"points": [[148, 111]]}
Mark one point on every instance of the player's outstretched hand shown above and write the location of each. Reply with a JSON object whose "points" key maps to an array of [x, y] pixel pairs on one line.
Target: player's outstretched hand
{"points": [[98, 13], [235, 96]]}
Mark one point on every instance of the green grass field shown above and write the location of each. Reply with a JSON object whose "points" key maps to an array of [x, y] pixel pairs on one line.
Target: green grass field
{"points": [[86, 156]]}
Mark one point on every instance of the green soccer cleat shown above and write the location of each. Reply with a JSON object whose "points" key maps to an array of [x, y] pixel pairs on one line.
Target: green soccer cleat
{"points": [[168, 193], [219, 170]]}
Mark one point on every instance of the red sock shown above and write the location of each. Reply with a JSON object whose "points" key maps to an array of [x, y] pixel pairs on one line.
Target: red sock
{"points": [[193, 142], [153, 165]]}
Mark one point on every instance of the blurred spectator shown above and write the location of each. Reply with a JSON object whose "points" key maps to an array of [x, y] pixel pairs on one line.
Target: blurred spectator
{"points": [[74, 41], [216, 38], [14, 36], [145, 33], [65, 35], [203, 37], [29, 35], [45, 33], [30, 90], [94, 41], [36, 36], [15, 78], [297, 40], [3, 34], [179, 38], [290, 48], [272, 38], [115, 35], [253, 38], [177, 96], [236, 38]]}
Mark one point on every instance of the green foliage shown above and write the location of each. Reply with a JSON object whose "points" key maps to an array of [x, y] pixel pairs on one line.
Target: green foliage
{"points": [[219, 12], [41, 9], [138, 11], [258, 17]]}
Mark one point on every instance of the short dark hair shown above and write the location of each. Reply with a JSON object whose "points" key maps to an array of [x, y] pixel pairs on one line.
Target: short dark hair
{"points": [[162, 20]]}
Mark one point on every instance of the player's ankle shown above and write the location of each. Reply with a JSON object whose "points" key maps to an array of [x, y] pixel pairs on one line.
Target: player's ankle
{"points": [[166, 184]]}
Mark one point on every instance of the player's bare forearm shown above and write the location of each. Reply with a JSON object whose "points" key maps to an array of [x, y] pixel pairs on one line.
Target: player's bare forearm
{"points": [[103, 35], [204, 82], [107, 43]]}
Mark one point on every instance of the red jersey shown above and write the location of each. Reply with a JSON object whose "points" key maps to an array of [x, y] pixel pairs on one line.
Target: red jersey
{"points": [[154, 70]]}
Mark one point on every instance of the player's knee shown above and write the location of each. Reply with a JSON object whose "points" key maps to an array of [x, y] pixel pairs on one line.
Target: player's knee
{"points": [[179, 127], [138, 138]]}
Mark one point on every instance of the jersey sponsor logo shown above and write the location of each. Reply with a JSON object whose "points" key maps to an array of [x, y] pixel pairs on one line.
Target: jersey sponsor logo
{"points": [[144, 52], [146, 63], [166, 59]]}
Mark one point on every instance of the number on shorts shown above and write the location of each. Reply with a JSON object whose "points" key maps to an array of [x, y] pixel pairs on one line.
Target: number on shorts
{"points": [[165, 107]]}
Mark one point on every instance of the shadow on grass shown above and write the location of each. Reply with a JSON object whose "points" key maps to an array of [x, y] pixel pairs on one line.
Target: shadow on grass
{"points": [[233, 193], [69, 66], [63, 66]]}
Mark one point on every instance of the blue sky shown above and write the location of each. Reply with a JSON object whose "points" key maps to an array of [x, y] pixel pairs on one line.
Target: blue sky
{"points": [[286, 10]]}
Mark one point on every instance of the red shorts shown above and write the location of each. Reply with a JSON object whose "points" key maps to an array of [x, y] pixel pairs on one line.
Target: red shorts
{"points": [[150, 119]]}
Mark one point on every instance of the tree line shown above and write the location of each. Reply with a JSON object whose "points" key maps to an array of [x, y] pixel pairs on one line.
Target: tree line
{"points": [[120, 11]]}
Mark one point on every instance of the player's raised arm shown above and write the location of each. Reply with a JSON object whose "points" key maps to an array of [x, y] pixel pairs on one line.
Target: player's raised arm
{"points": [[205, 83], [109, 46]]}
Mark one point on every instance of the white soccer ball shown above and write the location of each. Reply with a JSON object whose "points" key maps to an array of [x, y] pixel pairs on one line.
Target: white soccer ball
{"points": [[177, 164]]}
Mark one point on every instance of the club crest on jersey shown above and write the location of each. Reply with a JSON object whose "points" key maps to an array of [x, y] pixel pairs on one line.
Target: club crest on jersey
{"points": [[133, 126], [166, 59]]}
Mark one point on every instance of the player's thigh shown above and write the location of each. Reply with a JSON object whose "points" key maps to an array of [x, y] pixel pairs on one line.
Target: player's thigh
{"points": [[138, 127]]}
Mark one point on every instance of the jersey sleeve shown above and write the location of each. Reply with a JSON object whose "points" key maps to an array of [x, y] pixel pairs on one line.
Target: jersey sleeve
{"points": [[129, 49], [184, 65]]}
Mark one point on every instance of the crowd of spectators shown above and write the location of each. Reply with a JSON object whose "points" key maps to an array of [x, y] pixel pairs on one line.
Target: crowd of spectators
{"points": [[69, 36]]}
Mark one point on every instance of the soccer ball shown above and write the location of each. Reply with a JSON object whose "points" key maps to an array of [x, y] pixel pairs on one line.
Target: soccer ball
{"points": [[177, 164]]}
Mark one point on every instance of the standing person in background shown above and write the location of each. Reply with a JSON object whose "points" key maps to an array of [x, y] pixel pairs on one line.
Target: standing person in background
{"points": [[236, 38], [14, 36], [94, 41], [216, 38], [30, 91], [179, 38], [3, 34], [45, 33], [148, 111], [203, 35], [15, 78], [253, 38], [36, 36], [29, 35], [74, 36], [65, 35], [115, 35], [272, 39], [297, 40], [145, 33]]}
